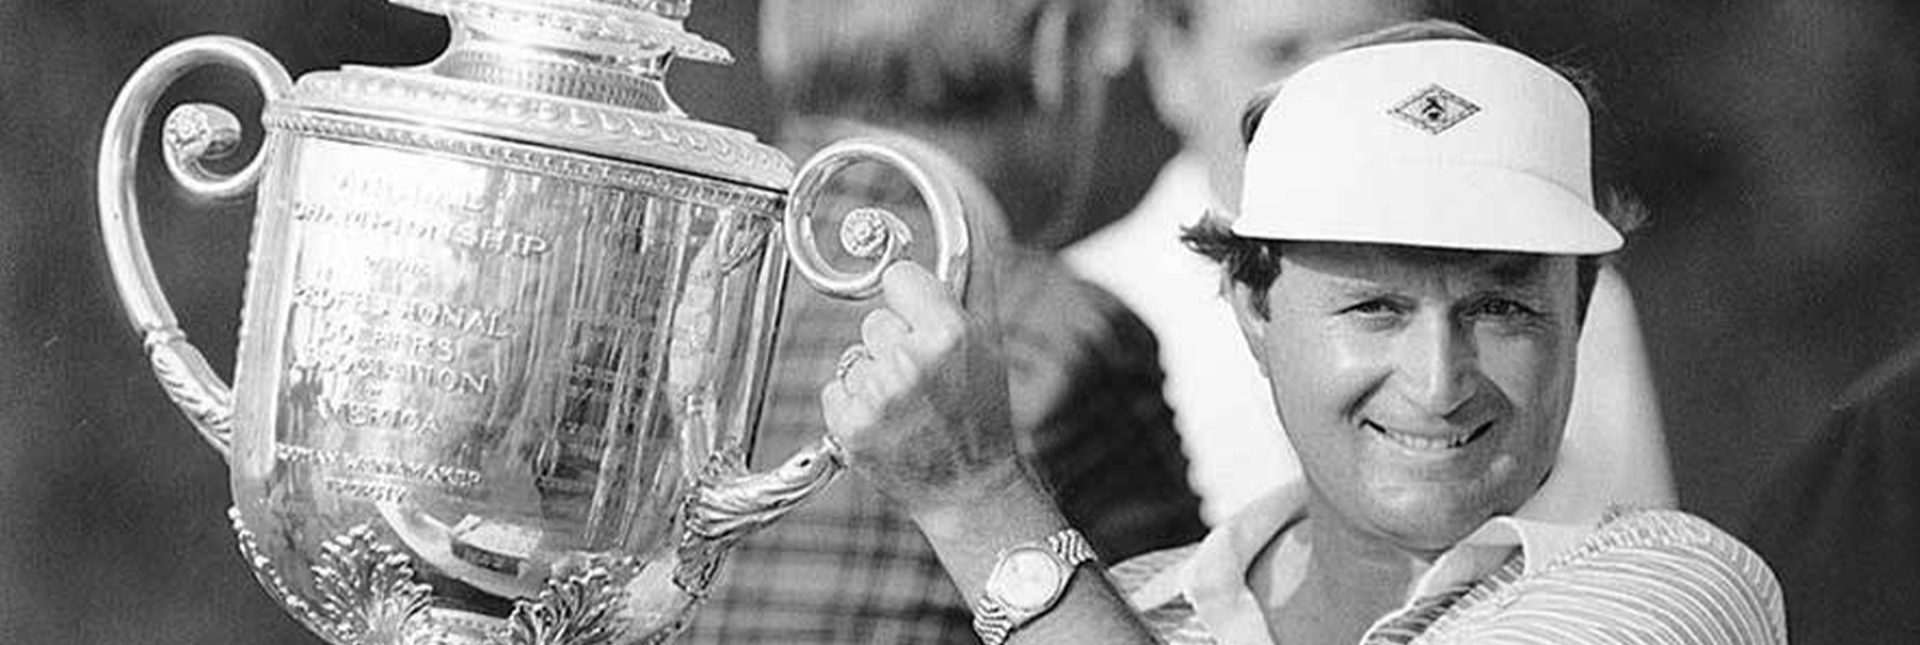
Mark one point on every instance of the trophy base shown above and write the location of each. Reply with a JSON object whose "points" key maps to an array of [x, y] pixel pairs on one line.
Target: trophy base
{"points": [[368, 592]]}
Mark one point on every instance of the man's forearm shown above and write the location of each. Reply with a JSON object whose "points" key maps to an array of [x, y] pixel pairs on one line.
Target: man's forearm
{"points": [[968, 539]]}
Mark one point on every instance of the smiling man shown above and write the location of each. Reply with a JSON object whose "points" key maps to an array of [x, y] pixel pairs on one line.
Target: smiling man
{"points": [[1415, 250], [1204, 59], [1424, 383]]}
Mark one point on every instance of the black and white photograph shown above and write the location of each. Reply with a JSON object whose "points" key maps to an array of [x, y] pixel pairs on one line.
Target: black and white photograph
{"points": [[995, 322]]}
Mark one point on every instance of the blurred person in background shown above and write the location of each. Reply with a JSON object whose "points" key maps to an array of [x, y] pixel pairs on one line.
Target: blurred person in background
{"points": [[1417, 244], [1840, 519], [1203, 59], [1014, 90]]}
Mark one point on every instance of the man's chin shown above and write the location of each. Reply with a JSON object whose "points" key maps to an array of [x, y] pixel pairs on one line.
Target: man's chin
{"points": [[1428, 525]]}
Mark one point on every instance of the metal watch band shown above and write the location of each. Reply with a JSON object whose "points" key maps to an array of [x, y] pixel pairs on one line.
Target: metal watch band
{"points": [[1072, 547], [995, 622], [992, 623]]}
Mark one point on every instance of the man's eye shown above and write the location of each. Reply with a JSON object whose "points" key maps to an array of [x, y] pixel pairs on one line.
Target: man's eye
{"points": [[1374, 307], [1502, 308]]}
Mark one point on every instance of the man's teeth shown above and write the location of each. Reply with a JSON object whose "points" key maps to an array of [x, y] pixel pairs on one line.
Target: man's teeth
{"points": [[1417, 442]]}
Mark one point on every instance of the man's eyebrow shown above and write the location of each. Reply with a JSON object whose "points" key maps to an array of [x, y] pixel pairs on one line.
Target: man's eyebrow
{"points": [[1517, 270], [1359, 289]]}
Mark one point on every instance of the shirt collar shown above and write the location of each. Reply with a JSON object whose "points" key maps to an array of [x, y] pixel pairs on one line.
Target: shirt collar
{"points": [[1541, 542], [1214, 578], [1568, 506]]}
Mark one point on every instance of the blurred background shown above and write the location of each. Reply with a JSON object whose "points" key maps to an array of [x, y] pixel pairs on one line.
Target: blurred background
{"points": [[1774, 140]]}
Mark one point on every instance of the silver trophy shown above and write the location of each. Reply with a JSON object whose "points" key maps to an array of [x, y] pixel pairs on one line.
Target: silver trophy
{"points": [[507, 326]]}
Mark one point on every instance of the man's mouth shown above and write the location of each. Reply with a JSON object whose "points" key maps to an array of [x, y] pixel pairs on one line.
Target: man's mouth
{"points": [[1430, 442]]}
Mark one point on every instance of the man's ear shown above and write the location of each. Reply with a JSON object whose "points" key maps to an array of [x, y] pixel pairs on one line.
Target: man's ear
{"points": [[1253, 323]]}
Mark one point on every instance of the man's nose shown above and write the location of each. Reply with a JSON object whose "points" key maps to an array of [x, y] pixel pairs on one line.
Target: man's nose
{"points": [[1438, 365]]}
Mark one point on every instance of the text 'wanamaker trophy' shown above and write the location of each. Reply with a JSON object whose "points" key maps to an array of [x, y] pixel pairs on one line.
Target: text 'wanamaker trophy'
{"points": [[508, 318]]}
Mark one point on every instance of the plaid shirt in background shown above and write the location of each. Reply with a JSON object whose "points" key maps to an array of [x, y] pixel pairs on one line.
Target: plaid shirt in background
{"points": [[846, 568]]}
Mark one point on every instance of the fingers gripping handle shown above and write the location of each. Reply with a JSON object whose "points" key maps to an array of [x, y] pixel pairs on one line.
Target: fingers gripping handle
{"points": [[194, 133], [731, 505]]}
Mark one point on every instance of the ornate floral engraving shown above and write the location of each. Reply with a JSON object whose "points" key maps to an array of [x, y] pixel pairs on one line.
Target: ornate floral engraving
{"points": [[196, 131], [366, 593], [865, 232], [366, 589], [583, 608]]}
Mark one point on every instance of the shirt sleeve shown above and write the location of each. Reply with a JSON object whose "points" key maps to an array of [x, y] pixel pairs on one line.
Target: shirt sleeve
{"points": [[1649, 577]]}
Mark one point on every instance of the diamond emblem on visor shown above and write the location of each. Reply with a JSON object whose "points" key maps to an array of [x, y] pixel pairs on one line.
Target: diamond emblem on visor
{"points": [[1434, 109]]}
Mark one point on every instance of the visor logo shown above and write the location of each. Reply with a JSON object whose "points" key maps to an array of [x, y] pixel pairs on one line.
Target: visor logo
{"points": [[1434, 109]]}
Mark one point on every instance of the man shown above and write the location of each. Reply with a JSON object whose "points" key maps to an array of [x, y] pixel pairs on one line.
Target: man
{"points": [[1013, 88], [1203, 59], [1416, 244]]}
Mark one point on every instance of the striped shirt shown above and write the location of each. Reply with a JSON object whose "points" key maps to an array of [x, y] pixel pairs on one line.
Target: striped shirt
{"points": [[1638, 576]]}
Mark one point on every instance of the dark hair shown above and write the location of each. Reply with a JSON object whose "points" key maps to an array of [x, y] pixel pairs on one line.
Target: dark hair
{"points": [[1256, 262]]}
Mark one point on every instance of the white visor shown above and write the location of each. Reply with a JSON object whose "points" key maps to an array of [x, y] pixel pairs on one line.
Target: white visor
{"points": [[1445, 143]]}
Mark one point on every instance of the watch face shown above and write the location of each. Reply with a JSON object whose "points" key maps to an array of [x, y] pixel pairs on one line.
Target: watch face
{"points": [[1027, 579]]}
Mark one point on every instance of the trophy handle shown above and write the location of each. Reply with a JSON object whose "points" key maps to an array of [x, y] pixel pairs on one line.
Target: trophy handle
{"points": [[731, 505], [194, 133], [873, 232]]}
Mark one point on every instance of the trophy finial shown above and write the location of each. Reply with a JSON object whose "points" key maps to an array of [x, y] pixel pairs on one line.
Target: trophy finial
{"points": [[610, 52], [601, 27]]}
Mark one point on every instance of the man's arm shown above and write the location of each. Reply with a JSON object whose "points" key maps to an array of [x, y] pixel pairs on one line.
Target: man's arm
{"points": [[969, 537], [921, 412]]}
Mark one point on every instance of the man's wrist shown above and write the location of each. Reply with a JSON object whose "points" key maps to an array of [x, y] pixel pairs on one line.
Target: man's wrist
{"points": [[969, 535], [1026, 582], [1008, 498]]}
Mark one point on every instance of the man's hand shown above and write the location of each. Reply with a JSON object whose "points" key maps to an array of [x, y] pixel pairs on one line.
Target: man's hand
{"points": [[920, 406], [920, 409]]}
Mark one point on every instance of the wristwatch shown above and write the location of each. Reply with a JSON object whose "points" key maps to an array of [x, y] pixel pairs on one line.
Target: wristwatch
{"points": [[1027, 580]]}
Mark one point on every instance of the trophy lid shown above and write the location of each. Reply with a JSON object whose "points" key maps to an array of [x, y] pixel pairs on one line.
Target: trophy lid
{"points": [[585, 76]]}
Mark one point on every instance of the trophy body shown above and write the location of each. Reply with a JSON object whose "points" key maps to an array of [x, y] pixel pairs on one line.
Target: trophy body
{"points": [[507, 324], [510, 369]]}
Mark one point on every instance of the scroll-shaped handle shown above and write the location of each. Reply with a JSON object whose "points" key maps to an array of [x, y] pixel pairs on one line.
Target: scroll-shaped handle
{"points": [[729, 505], [867, 232], [194, 133]]}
